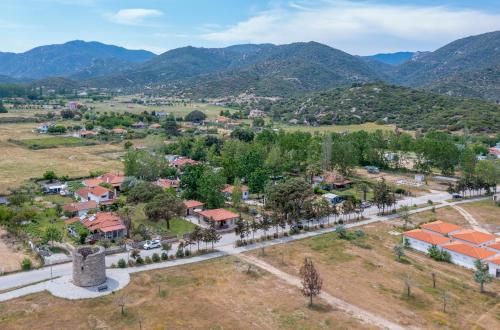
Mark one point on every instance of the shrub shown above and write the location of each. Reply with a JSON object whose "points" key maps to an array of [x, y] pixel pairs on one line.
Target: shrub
{"points": [[359, 233], [131, 263], [164, 256], [155, 257], [26, 264], [113, 265], [294, 231], [187, 253], [139, 260], [179, 253], [148, 260], [439, 255], [166, 246], [122, 263]]}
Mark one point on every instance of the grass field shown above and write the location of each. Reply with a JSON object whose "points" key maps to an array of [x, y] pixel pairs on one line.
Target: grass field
{"points": [[369, 127], [19, 163], [364, 272], [486, 212], [217, 294], [54, 142], [177, 226]]}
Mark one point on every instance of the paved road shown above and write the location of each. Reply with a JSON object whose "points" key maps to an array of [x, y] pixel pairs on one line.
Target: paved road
{"points": [[226, 245]]}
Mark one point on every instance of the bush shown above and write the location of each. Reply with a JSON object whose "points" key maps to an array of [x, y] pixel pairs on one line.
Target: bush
{"points": [[179, 253], [148, 260], [166, 246], [359, 233], [155, 257], [439, 255], [139, 260], [187, 253], [26, 264], [164, 256], [113, 265], [122, 263]]}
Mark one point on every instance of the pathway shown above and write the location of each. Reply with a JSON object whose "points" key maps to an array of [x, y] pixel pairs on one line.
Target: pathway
{"points": [[468, 217], [357, 312]]}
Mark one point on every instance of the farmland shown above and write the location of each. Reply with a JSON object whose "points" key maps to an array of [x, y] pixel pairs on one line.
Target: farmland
{"points": [[198, 296]]}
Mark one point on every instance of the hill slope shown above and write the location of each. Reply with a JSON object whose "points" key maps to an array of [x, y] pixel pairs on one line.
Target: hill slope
{"points": [[391, 58], [407, 108], [266, 69], [67, 59]]}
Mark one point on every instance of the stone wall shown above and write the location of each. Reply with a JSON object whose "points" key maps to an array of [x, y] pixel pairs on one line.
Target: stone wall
{"points": [[89, 266]]}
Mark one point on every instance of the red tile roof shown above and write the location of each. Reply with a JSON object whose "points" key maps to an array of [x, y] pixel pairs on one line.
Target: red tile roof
{"points": [[229, 188], [103, 221], [495, 246], [192, 203], [91, 183], [427, 237], [183, 161], [468, 250], [76, 207], [473, 236], [71, 220], [218, 215], [440, 227], [167, 183], [83, 192], [99, 191], [114, 179], [495, 260]]}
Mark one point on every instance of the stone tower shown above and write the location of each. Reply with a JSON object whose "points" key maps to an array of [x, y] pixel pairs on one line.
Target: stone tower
{"points": [[89, 266]]}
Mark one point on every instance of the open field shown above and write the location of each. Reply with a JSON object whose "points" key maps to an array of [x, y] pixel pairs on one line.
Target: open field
{"points": [[369, 127], [54, 142], [486, 213], [364, 272], [19, 163], [217, 294]]}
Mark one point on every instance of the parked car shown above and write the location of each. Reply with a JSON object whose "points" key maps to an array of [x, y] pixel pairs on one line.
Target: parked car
{"points": [[154, 244], [365, 205], [297, 226], [456, 196]]}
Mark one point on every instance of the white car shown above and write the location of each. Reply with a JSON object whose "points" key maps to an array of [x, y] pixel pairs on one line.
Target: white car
{"points": [[154, 244]]}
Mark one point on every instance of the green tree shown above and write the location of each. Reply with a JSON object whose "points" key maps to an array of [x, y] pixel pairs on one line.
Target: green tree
{"points": [[52, 234], [164, 206], [399, 251], [195, 116], [286, 199], [210, 189], [143, 192], [143, 165], [190, 181], [257, 180], [481, 274], [2, 108], [237, 194], [50, 175]]}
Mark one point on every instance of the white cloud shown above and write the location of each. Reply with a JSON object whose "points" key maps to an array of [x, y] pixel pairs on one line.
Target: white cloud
{"points": [[359, 27], [134, 16]]}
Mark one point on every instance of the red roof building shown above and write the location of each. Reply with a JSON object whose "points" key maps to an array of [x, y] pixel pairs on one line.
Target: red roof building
{"points": [[105, 224], [168, 183], [80, 208], [475, 252], [441, 227], [222, 217], [474, 237]]}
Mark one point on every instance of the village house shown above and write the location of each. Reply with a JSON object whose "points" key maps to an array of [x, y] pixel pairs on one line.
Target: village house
{"points": [[495, 247], [222, 217], [53, 187], [495, 151], [98, 194], [193, 207], [79, 209], [43, 128], [334, 180], [465, 255], [168, 183], [105, 225], [85, 134], [422, 240], [114, 179], [474, 237], [494, 266], [440, 227], [155, 126], [138, 125], [228, 191], [118, 131], [180, 162]]}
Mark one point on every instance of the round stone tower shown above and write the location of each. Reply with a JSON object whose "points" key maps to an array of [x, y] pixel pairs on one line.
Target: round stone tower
{"points": [[89, 266]]}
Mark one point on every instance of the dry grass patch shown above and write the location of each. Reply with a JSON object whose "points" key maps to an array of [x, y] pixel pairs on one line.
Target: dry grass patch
{"points": [[217, 294], [486, 212], [446, 214], [364, 272]]}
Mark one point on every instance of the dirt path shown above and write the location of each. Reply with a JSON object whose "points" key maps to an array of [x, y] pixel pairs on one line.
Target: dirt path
{"points": [[469, 218], [355, 311]]}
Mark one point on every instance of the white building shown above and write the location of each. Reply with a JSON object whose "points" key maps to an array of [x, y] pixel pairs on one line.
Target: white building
{"points": [[422, 240], [466, 255], [494, 266], [441, 228], [98, 194], [474, 237]]}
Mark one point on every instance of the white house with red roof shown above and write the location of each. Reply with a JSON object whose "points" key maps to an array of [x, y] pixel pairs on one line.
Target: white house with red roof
{"points": [[466, 255], [192, 207], [422, 240], [222, 217], [115, 179], [494, 266], [228, 192], [182, 161], [474, 237], [79, 209], [98, 194], [441, 228], [105, 224]]}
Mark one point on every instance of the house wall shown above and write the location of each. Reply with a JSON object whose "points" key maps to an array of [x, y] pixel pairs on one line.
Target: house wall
{"points": [[494, 269], [462, 260], [418, 245], [99, 199]]}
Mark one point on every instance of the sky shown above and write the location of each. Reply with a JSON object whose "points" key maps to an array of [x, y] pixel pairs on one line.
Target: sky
{"points": [[360, 27]]}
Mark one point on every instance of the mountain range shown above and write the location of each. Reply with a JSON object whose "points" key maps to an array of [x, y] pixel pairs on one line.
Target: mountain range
{"points": [[466, 67]]}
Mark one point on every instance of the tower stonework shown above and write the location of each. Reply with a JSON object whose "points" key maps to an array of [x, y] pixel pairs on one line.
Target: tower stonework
{"points": [[89, 266]]}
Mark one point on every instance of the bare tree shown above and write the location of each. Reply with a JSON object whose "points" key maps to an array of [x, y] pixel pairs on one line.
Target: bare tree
{"points": [[408, 284], [404, 213], [311, 281], [445, 298], [434, 280], [121, 301]]}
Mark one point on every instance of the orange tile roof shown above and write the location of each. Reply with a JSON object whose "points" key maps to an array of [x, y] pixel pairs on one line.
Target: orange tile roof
{"points": [[427, 237], [440, 227], [113, 178], [91, 183], [474, 236], [71, 220], [184, 161], [83, 192], [229, 188], [218, 214], [495, 246], [495, 260], [98, 191], [167, 183], [75, 207], [192, 203], [468, 250], [103, 221]]}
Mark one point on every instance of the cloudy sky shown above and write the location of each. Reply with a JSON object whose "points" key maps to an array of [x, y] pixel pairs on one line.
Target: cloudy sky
{"points": [[356, 26]]}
